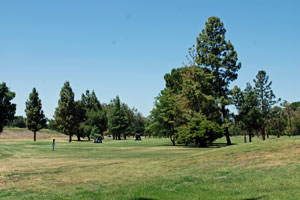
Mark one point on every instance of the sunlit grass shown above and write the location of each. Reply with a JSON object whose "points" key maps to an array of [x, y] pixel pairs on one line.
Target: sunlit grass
{"points": [[150, 169]]}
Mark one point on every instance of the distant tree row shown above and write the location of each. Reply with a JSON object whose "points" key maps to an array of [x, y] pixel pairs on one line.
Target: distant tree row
{"points": [[86, 117], [278, 120], [255, 106]]}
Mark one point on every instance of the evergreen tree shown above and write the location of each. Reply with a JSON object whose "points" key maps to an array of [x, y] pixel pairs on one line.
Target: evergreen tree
{"points": [[117, 119], [167, 114], [289, 113], [198, 93], [79, 119], [247, 104], [295, 105], [7, 109], [277, 122], [218, 57], [65, 113], [265, 97], [95, 115], [188, 94], [35, 115]]}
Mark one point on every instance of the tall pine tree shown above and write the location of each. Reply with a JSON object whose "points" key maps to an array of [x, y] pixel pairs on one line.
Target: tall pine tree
{"points": [[265, 98], [65, 113], [218, 57], [35, 115]]}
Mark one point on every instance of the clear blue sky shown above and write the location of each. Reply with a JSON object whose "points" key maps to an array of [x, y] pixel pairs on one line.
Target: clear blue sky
{"points": [[125, 47]]}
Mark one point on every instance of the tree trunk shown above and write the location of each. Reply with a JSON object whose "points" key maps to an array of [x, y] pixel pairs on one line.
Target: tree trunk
{"points": [[263, 134], [114, 136], [250, 136], [34, 135], [290, 121], [227, 136], [124, 137], [89, 137], [119, 136], [172, 134], [226, 129], [268, 135], [78, 137], [70, 138], [172, 140]]}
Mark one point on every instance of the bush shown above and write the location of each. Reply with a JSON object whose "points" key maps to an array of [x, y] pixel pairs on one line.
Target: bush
{"points": [[18, 121], [95, 131], [200, 131]]}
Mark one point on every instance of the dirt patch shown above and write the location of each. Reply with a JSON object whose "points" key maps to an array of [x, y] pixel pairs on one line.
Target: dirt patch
{"points": [[8, 135]]}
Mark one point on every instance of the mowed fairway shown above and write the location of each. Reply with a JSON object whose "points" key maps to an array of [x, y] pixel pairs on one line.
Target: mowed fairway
{"points": [[149, 169]]}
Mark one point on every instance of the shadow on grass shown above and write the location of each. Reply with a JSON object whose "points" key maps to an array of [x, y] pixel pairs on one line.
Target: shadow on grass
{"points": [[82, 140], [213, 146], [142, 198], [219, 145], [255, 198]]}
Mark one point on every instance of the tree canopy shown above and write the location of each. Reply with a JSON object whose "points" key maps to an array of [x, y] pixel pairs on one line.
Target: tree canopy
{"points": [[117, 119], [65, 113], [7, 108], [217, 56], [35, 115]]}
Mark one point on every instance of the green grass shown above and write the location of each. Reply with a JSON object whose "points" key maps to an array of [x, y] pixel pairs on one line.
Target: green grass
{"points": [[150, 169]]}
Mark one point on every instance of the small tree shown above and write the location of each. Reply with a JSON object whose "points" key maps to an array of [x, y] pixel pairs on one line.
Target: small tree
{"points": [[248, 115], [35, 115], [65, 112], [117, 119], [7, 109], [166, 114], [95, 115], [265, 97], [277, 122]]}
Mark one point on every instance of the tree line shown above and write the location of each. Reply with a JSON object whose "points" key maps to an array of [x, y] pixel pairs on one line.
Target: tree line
{"points": [[193, 107], [84, 118]]}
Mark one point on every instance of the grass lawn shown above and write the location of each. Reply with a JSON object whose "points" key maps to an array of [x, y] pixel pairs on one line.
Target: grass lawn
{"points": [[150, 169]]}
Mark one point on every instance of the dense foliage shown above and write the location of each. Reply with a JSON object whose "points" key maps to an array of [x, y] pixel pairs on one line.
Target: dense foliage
{"points": [[118, 122], [218, 57], [65, 113], [192, 107], [35, 115], [94, 116], [7, 108], [17, 121]]}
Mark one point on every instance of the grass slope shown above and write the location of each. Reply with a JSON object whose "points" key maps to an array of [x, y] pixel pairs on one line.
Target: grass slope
{"points": [[150, 169]]}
